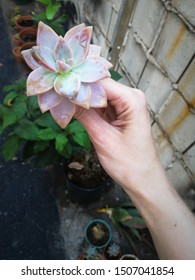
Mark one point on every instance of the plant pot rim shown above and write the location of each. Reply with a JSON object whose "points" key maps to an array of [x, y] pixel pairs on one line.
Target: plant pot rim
{"points": [[26, 31], [133, 257], [26, 18], [93, 221]]}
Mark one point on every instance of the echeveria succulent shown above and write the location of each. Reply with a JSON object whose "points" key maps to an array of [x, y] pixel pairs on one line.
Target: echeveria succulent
{"points": [[66, 72]]}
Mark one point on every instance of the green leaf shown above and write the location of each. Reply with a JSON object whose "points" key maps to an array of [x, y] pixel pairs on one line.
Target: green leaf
{"points": [[135, 222], [46, 158], [33, 102], [27, 130], [119, 214], [61, 141], [46, 120], [9, 98], [52, 10], [82, 139], [9, 117], [19, 107], [67, 152], [115, 75], [11, 146], [40, 146], [75, 127], [47, 134]]}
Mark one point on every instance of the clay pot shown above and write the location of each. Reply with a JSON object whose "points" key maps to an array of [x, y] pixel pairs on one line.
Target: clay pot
{"points": [[16, 39], [18, 49], [28, 35], [17, 53], [23, 22]]}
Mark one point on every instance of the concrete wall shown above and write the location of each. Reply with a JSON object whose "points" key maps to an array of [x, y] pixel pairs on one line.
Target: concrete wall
{"points": [[155, 51]]}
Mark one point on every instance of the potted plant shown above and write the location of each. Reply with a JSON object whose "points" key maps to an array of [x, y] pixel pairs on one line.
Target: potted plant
{"points": [[98, 233], [127, 220], [90, 253], [42, 141], [112, 251], [85, 178]]}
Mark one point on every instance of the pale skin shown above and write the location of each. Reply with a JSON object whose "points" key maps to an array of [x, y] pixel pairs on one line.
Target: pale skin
{"points": [[122, 137]]}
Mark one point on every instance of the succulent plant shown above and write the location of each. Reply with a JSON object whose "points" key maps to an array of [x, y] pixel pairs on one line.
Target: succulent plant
{"points": [[91, 252], [113, 249], [66, 72]]}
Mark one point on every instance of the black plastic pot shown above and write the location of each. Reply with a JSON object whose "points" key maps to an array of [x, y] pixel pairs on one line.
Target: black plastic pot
{"points": [[84, 195]]}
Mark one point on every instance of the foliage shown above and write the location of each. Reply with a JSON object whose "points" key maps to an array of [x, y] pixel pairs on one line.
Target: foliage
{"points": [[37, 134], [126, 219], [51, 15]]}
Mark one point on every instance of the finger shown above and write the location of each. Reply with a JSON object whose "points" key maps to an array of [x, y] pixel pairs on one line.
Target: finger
{"points": [[91, 120], [115, 90]]}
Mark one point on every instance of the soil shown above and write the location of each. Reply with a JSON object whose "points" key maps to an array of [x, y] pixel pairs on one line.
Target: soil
{"points": [[29, 38], [90, 173]]}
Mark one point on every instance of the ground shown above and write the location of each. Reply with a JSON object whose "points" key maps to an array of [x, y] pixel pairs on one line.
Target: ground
{"points": [[37, 218]]}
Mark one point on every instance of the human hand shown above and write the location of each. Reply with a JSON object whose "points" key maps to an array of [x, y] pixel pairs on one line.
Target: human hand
{"points": [[121, 135]]}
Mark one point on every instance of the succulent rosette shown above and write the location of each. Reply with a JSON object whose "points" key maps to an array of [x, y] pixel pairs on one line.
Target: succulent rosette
{"points": [[66, 72]]}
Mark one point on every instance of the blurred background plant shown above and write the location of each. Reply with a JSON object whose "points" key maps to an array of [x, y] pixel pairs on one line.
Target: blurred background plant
{"points": [[91, 253], [53, 14], [37, 135], [127, 220]]}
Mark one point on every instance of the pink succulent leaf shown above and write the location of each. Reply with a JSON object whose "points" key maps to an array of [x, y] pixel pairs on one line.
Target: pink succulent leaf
{"points": [[40, 80], [29, 59], [94, 50], [44, 57], [46, 37], [66, 72], [92, 69], [63, 112], [98, 96], [74, 30], [79, 44], [67, 84], [83, 97], [62, 66], [62, 51], [48, 100]]}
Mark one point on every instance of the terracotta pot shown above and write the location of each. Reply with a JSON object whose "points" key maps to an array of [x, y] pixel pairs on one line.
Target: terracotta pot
{"points": [[16, 39], [23, 22], [17, 51], [28, 35]]}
